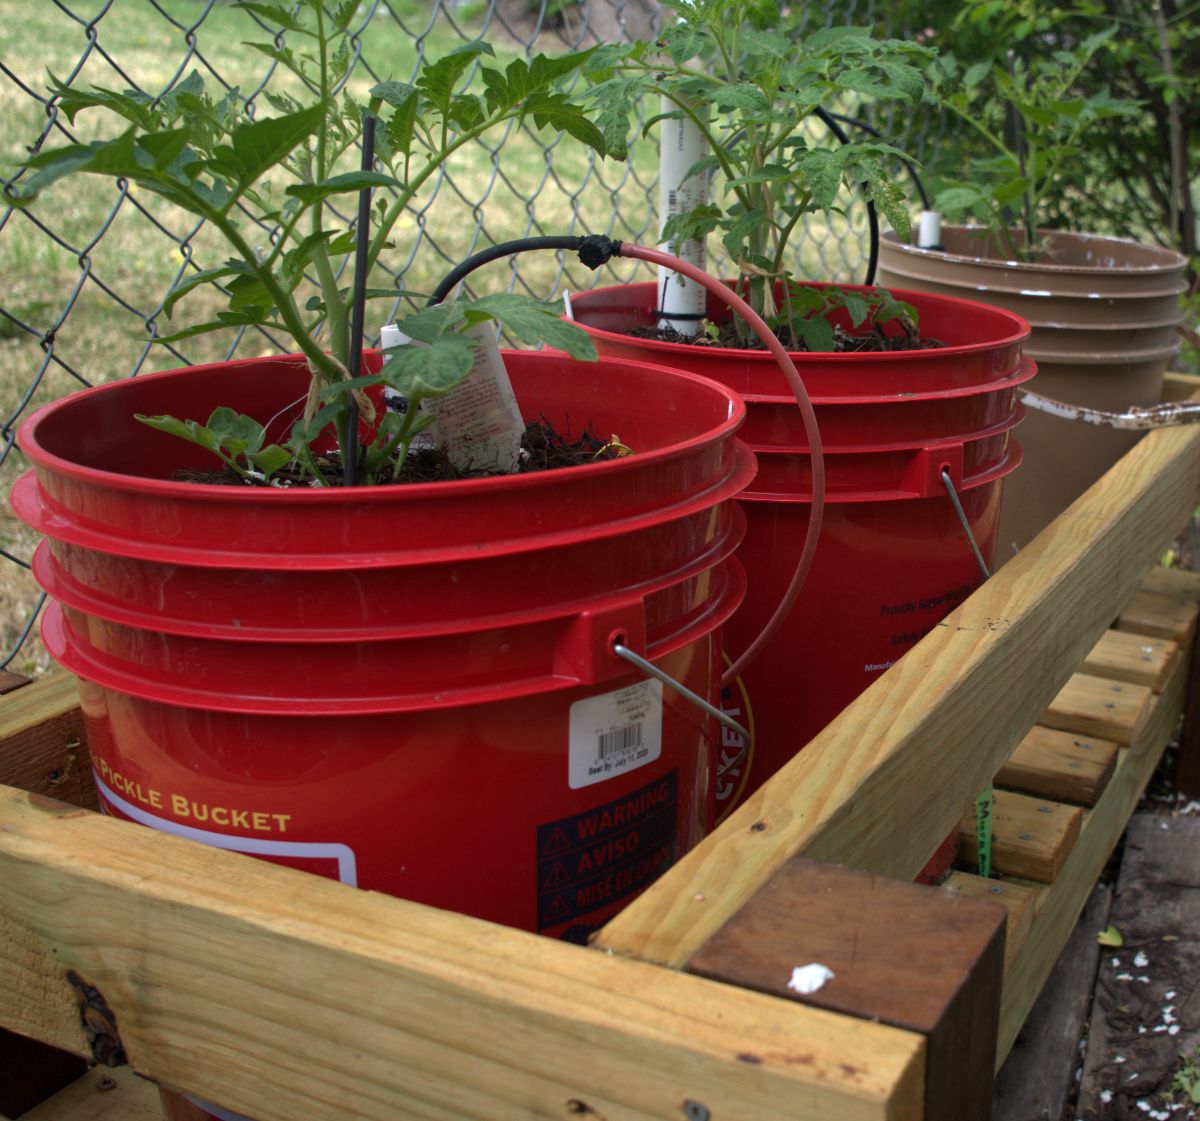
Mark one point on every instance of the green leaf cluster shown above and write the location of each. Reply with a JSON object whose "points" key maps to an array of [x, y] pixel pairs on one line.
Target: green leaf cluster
{"points": [[1028, 113], [221, 161], [752, 76]]}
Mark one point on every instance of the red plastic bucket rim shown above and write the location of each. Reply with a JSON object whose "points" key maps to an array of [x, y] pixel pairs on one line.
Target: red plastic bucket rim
{"points": [[1023, 373], [55, 627], [42, 458], [26, 495], [1019, 332], [1015, 416]]}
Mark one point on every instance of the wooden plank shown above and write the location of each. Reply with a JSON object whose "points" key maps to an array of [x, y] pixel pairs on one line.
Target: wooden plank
{"points": [[1060, 766], [1102, 828], [1037, 1077], [10, 682], [1031, 837], [1126, 656], [101, 1094], [1020, 900], [1179, 387], [1172, 617], [42, 743], [1178, 583], [281, 995], [911, 956], [1093, 706], [876, 788]]}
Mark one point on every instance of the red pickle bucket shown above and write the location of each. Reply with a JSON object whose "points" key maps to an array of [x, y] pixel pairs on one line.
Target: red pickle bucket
{"points": [[893, 557], [407, 688]]}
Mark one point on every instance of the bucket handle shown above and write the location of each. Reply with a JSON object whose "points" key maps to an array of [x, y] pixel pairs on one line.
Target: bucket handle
{"points": [[948, 482], [650, 668]]}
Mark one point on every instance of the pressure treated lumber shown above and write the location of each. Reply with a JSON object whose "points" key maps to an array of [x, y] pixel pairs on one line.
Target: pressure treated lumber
{"points": [[899, 953], [296, 996], [873, 789], [1163, 616], [1060, 766], [1020, 902], [1095, 706], [101, 1095], [1179, 583], [1142, 659], [1060, 904], [42, 745], [1031, 837]]}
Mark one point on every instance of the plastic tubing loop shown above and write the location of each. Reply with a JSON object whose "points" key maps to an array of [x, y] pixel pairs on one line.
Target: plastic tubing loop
{"points": [[788, 368], [604, 248]]}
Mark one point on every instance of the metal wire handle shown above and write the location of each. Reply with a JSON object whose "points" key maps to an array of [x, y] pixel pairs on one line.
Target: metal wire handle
{"points": [[653, 670], [966, 525]]}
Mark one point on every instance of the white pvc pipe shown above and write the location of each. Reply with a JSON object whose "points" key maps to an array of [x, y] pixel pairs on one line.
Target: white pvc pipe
{"points": [[681, 145]]}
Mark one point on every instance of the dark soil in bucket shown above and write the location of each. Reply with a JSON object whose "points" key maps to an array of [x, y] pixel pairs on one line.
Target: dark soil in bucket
{"points": [[874, 339], [543, 448]]}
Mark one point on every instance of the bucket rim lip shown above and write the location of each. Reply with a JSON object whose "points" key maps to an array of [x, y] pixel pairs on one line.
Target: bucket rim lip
{"points": [[725, 485], [82, 602], [997, 428], [1020, 331], [1026, 370], [193, 698], [1173, 261], [43, 459]]}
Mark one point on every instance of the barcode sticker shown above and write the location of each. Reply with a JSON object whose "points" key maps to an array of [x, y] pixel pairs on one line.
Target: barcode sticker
{"points": [[614, 733]]}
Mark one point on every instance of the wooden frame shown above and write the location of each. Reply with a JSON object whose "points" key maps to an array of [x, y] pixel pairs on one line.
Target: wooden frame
{"points": [[279, 994]]}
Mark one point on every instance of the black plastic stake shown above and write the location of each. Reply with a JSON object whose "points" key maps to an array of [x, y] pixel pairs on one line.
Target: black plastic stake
{"points": [[358, 308]]}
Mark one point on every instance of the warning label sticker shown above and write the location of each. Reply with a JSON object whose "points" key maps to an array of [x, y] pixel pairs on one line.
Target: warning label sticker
{"points": [[601, 856]]}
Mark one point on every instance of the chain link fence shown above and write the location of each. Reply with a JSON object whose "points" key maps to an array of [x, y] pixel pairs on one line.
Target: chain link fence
{"points": [[87, 268]]}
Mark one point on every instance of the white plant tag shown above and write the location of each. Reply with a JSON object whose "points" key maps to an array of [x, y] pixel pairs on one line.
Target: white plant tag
{"points": [[681, 145], [614, 733], [478, 423]]}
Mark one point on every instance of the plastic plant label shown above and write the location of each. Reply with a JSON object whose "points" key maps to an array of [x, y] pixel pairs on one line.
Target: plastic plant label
{"points": [[614, 733], [479, 423]]}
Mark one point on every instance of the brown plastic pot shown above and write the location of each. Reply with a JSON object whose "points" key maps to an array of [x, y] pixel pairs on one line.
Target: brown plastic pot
{"points": [[1103, 312]]}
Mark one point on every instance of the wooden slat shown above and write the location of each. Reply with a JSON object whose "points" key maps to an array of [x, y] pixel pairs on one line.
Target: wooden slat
{"points": [[1162, 616], [10, 682], [899, 953], [1141, 659], [1178, 583], [281, 995], [42, 745], [1102, 827], [101, 1095], [1094, 706], [1020, 900], [1061, 766], [1031, 837], [873, 789]]}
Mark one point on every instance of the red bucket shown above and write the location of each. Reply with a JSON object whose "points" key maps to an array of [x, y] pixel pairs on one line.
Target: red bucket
{"points": [[408, 688], [893, 558]]}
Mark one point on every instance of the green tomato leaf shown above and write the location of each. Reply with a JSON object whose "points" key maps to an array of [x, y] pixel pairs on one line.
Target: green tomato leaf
{"points": [[235, 432], [532, 321], [190, 430], [421, 371], [270, 459], [257, 146], [346, 183]]}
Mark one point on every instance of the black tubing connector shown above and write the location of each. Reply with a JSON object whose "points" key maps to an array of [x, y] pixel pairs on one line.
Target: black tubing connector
{"points": [[597, 249]]}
